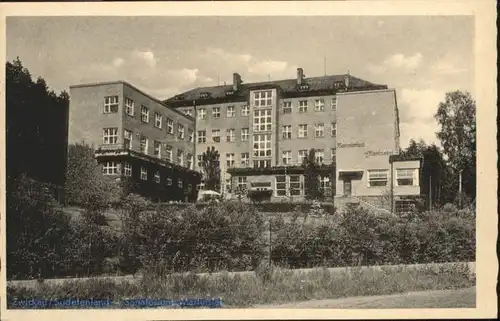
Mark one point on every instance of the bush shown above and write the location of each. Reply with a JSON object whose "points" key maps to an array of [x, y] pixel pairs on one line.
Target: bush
{"points": [[361, 237], [219, 236]]}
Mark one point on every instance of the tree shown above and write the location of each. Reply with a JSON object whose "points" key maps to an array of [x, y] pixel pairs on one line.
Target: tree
{"points": [[456, 117], [85, 184], [311, 176], [436, 179], [211, 169], [36, 123]]}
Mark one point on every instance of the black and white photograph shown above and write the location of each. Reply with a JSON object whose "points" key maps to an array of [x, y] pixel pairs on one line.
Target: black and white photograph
{"points": [[191, 162]]}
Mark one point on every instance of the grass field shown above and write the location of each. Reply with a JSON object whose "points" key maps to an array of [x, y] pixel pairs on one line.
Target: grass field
{"points": [[268, 286]]}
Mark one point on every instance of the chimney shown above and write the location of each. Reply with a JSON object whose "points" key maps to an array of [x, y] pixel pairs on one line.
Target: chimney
{"points": [[300, 76], [346, 80], [236, 81]]}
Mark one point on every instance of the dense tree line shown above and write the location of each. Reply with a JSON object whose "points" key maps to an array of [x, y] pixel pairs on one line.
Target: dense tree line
{"points": [[36, 127]]}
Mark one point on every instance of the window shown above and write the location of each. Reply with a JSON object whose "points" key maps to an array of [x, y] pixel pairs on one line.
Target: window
{"points": [[406, 177], [129, 106], [319, 130], [334, 103], [377, 177], [295, 185], [231, 135], [110, 104], [180, 157], [302, 106], [168, 153], [157, 148], [110, 168], [110, 136], [230, 161], [245, 134], [242, 184], [302, 155], [144, 114], [216, 112], [180, 183], [334, 129], [287, 131], [245, 110], [157, 177], [200, 161], [144, 144], [202, 136], [190, 161], [281, 185], [228, 185], [287, 107], [202, 113], [188, 112], [262, 145], [319, 156], [263, 163], [158, 120], [230, 111], [333, 153], [263, 98], [216, 135], [170, 126], [169, 181], [190, 135], [180, 131], [245, 159], [127, 169], [302, 130], [127, 139], [262, 120], [319, 105], [144, 173], [286, 156], [324, 184]]}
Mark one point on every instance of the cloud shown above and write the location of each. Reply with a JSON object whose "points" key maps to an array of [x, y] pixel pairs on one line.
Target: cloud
{"points": [[417, 108], [267, 66], [187, 77], [397, 62], [449, 65], [117, 62], [147, 56]]}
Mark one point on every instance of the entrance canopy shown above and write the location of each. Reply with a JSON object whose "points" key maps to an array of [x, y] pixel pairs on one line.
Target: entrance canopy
{"points": [[351, 173]]}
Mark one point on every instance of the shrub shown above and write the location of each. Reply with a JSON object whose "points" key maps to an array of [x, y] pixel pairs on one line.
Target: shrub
{"points": [[218, 236]]}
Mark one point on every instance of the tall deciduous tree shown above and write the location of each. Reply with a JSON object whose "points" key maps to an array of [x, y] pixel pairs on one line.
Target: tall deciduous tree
{"points": [[211, 169], [456, 116], [311, 176]]}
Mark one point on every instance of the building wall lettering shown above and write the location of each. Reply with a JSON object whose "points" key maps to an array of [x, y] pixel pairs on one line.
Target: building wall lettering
{"points": [[378, 153], [341, 145]]}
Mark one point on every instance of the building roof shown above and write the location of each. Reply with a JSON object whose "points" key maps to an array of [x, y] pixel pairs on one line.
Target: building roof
{"points": [[315, 86]]}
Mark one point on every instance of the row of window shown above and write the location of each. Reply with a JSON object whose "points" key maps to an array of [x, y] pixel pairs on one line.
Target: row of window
{"points": [[286, 185], [302, 107], [111, 104], [160, 150], [113, 168], [286, 132], [404, 177]]}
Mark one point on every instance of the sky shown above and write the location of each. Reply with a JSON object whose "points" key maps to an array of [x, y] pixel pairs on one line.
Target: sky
{"points": [[422, 57]]}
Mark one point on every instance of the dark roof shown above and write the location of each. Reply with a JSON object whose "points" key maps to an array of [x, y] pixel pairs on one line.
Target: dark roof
{"points": [[316, 86]]}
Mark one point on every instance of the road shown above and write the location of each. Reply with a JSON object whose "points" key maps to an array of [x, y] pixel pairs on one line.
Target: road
{"points": [[460, 298]]}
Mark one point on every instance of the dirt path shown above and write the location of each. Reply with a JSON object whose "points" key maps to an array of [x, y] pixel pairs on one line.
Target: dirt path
{"points": [[461, 298]]}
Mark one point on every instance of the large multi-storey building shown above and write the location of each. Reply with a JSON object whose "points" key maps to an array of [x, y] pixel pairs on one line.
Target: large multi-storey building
{"points": [[137, 139], [264, 130]]}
